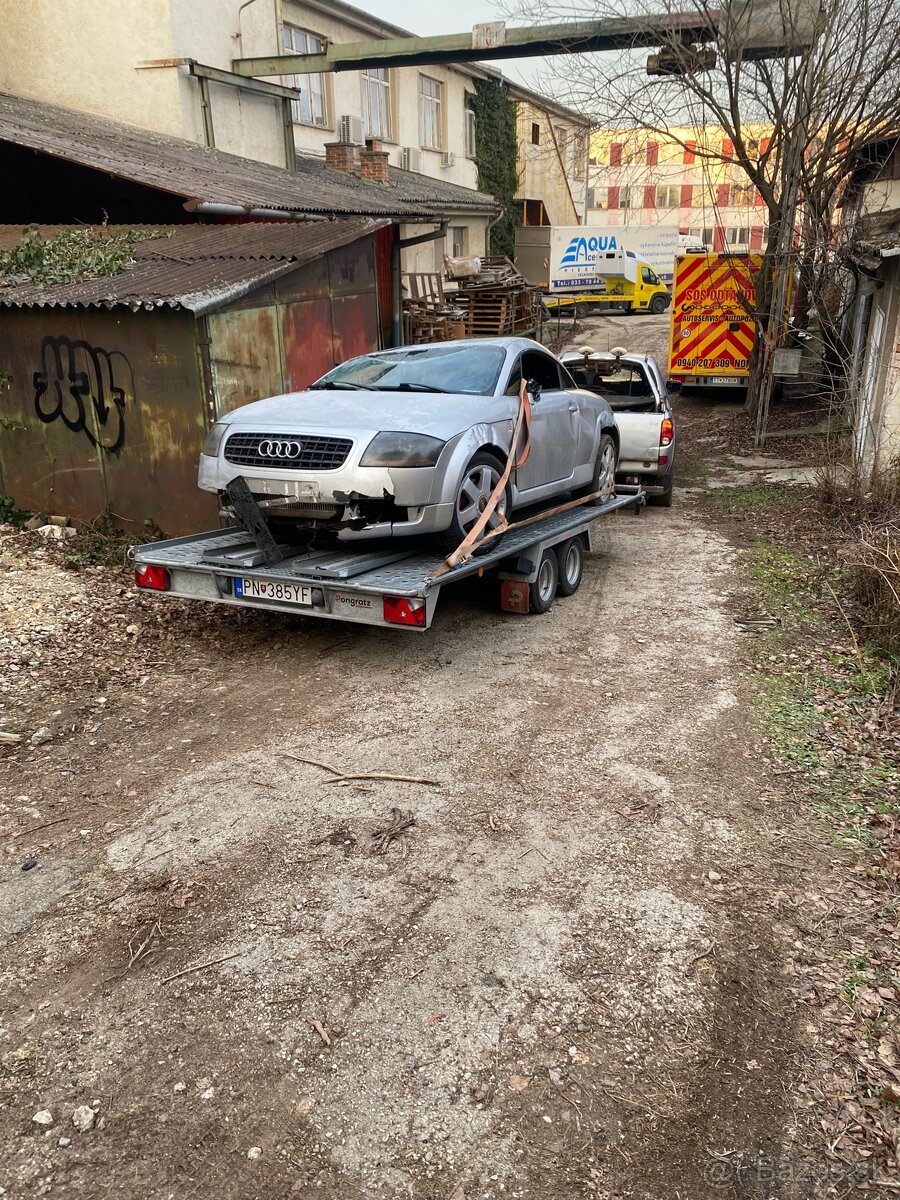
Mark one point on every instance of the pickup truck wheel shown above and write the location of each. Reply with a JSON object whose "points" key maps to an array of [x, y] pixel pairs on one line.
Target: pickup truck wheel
{"points": [[542, 592], [658, 305], [570, 560], [664, 498]]}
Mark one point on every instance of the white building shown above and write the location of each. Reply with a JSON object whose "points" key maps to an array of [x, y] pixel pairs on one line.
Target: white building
{"points": [[160, 66]]}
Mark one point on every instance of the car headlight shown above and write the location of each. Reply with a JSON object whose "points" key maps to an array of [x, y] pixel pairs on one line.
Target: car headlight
{"points": [[402, 450], [214, 439]]}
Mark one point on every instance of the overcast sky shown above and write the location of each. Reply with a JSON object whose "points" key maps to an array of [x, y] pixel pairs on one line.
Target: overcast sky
{"points": [[429, 17]]}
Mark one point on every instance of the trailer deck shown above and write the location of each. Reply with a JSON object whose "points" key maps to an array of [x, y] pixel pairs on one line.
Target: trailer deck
{"points": [[385, 583]]}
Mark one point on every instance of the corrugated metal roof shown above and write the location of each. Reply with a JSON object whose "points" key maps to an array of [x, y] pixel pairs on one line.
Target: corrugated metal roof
{"points": [[199, 267], [206, 175]]}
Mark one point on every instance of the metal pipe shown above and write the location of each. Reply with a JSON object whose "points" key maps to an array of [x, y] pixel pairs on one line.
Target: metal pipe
{"points": [[207, 208], [398, 245]]}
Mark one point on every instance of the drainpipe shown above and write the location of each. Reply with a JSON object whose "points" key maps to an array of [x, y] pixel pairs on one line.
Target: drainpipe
{"points": [[490, 226], [402, 244]]}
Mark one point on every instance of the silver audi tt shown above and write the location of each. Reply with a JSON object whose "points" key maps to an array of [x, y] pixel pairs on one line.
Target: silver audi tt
{"points": [[413, 441]]}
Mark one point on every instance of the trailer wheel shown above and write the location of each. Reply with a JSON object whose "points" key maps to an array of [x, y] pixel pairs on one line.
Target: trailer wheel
{"points": [[542, 592], [570, 559]]}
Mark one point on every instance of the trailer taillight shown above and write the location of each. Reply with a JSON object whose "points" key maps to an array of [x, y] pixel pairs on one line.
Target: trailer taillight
{"points": [[666, 433], [150, 576], [404, 610]]}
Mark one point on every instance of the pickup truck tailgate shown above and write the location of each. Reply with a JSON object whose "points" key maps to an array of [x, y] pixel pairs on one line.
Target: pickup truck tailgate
{"points": [[639, 437]]}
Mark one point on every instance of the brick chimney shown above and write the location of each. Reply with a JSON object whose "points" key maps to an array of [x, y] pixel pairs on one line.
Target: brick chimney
{"points": [[340, 156], [374, 144], [373, 166]]}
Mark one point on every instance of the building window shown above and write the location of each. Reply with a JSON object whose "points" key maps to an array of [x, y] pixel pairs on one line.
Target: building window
{"points": [[535, 133], [459, 241], [739, 236], [431, 96], [598, 198], [667, 197], [470, 133], [708, 233], [742, 195], [376, 88], [626, 199], [632, 154], [311, 108]]}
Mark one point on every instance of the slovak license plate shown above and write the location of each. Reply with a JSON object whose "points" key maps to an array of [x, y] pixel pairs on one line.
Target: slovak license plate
{"points": [[288, 593], [726, 379]]}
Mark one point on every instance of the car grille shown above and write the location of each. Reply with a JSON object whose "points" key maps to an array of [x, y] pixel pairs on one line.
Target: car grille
{"points": [[303, 452]]}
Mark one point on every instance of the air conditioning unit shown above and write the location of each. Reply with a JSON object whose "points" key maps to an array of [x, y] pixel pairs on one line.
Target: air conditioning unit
{"points": [[410, 159], [352, 131], [448, 159]]}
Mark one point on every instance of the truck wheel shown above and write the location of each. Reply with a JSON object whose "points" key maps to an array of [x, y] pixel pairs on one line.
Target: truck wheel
{"points": [[658, 305], [542, 592], [583, 310], [627, 309], [664, 499], [570, 561]]}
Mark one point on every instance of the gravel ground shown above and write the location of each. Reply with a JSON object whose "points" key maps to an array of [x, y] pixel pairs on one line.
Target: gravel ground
{"points": [[563, 980]]}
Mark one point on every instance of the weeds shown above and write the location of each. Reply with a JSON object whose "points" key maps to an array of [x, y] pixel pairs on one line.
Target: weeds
{"points": [[11, 514], [738, 500]]}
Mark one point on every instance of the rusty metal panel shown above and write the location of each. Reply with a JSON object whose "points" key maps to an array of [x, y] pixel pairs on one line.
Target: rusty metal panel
{"points": [[245, 356], [308, 342], [109, 410], [309, 281], [355, 320], [351, 269]]}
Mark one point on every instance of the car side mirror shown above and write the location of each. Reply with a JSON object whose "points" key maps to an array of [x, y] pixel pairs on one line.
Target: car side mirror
{"points": [[534, 389]]}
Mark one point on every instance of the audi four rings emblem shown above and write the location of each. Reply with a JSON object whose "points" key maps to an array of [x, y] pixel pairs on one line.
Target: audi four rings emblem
{"points": [[279, 449]]}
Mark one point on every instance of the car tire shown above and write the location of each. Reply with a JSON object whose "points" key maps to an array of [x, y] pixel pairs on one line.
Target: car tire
{"points": [[602, 467], [664, 498], [476, 483], [570, 564], [658, 305], [542, 592]]}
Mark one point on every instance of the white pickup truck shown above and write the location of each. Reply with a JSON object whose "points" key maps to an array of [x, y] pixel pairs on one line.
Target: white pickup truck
{"points": [[636, 391]]}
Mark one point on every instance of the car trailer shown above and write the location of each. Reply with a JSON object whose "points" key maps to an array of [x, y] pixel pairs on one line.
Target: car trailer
{"points": [[390, 584]]}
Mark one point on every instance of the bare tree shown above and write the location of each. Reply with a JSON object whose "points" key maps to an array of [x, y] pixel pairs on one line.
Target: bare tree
{"points": [[828, 99]]}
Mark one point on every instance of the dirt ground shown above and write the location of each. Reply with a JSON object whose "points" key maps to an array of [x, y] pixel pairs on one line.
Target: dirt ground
{"points": [[566, 979]]}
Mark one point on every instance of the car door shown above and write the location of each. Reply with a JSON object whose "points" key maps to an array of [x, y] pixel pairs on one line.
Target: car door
{"points": [[554, 427]]}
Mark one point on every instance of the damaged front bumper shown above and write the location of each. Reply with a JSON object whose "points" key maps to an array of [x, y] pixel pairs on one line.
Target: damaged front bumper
{"points": [[357, 503]]}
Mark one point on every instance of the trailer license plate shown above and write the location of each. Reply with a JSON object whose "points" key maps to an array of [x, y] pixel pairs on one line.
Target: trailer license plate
{"points": [[287, 593], [726, 379]]}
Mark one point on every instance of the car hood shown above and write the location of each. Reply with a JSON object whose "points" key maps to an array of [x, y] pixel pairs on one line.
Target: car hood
{"points": [[436, 413]]}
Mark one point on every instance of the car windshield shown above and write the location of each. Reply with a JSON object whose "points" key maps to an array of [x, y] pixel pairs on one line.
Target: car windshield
{"points": [[466, 370]]}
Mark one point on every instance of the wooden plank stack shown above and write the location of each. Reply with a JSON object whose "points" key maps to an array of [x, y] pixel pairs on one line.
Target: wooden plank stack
{"points": [[499, 301]]}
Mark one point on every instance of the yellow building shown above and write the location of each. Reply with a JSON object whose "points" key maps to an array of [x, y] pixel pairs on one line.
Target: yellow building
{"points": [[686, 177]]}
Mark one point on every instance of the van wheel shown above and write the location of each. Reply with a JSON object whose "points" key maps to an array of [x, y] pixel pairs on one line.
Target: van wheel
{"points": [[658, 305]]}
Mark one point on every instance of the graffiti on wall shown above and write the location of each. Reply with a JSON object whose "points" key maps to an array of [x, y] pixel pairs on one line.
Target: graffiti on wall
{"points": [[85, 387]]}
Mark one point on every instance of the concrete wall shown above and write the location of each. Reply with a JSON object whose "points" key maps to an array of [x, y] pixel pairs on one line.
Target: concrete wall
{"points": [[82, 56]]}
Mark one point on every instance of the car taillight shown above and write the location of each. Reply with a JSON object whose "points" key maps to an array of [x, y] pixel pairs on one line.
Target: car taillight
{"points": [[149, 576], [666, 433], [404, 610]]}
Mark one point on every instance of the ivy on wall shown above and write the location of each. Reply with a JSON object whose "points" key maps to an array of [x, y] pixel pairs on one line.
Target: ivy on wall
{"points": [[496, 156]]}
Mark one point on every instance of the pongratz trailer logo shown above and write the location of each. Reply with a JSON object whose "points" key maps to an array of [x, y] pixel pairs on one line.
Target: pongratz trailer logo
{"points": [[581, 250]]}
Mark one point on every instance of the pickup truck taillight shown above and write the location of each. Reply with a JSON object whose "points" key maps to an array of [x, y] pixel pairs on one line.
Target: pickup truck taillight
{"points": [[153, 577], [666, 433]]}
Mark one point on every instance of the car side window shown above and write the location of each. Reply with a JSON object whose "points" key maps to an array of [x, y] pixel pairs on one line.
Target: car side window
{"points": [[541, 369], [647, 275]]}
